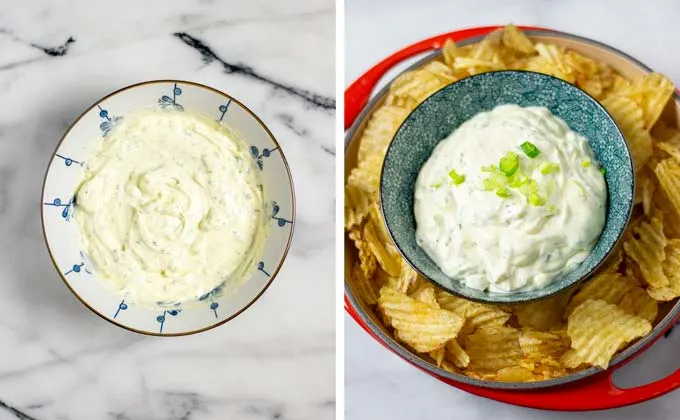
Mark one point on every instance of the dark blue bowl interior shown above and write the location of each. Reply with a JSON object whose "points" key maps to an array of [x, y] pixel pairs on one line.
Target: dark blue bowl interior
{"points": [[447, 109]]}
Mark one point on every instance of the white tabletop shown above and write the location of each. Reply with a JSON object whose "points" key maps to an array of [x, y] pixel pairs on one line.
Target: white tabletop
{"points": [[58, 361], [379, 385]]}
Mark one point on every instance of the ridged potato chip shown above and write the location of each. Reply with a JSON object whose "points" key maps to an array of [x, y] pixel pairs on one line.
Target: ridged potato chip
{"points": [[639, 303], [417, 324], [656, 91], [644, 190], [671, 267], [366, 288], [476, 314], [367, 261], [668, 174], [417, 85], [366, 175], [456, 355], [646, 248], [493, 348], [450, 51], [609, 287], [514, 374], [598, 330], [381, 128], [515, 39], [387, 257], [539, 345], [357, 206], [425, 293], [438, 356], [544, 314]]}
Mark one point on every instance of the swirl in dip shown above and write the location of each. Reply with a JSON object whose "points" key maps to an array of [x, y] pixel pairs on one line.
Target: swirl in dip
{"points": [[510, 201], [171, 207]]}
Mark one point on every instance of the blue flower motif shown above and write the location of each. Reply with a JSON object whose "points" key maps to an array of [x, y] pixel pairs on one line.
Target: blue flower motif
{"points": [[214, 306], [280, 220], [109, 121], [223, 110], [76, 268], [68, 161], [162, 318], [67, 212], [121, 307], [168, 102], [260, 266], [260, 156]]}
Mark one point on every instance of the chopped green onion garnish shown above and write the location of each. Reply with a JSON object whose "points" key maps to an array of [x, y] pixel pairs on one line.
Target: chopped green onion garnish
{"points": [[437, 185], [456, 177], [518, 179], [549, 167], [489, 168], [530, 149], [552, 209], [503, 192], [495, 181], [603, 170], [509, 163], [535, 199], [585, 163]]}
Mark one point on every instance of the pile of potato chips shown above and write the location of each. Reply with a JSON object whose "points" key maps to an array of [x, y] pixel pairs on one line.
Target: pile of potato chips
{"points": [[575, 329]]}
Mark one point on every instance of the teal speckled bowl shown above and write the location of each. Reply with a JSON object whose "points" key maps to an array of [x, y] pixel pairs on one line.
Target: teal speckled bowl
{"points": [[447, 109]]}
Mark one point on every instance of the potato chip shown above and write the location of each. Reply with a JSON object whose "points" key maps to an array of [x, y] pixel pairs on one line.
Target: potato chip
{"points": [[571, 359], [671, 267], [416, 84], [367, 261], [619, 86], [627, 114], [613, 263], [425, 293], [644, 190], [662, 204], [493, 348], [539, 345], [357, 206], [440, 71], [598, 330], [554, 62], [609, 287], [514, 374], [365, 287], [438, 356], [456, 355], [544, 314], [387, 257], [657, 90], [450, 51], [476, 314], [381, 128], [406, 281], [646, 248], [639, 303], [366, 175], [515, 39], [668, 174], [543, 368], [417, 324]]}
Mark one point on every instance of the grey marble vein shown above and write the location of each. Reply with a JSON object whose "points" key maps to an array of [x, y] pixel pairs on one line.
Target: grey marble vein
{"points": [[208, 56]]}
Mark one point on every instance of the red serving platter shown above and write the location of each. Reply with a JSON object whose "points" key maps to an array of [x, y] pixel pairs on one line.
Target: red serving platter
{"points": [[593, 393]]}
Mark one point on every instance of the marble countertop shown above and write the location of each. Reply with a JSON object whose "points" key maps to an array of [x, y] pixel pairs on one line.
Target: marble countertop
{"points": [[379, 384], [58, 361]]}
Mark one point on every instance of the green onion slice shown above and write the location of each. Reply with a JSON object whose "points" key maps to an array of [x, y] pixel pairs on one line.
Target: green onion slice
{"points": [[503, 192], [585, 163], [456, 178], [530, 149], [509, 163], [549, 168]]}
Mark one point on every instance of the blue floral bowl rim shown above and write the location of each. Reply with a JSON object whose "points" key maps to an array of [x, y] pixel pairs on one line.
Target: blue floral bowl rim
{"points": [[285, 164], [533, 295], [400, 349]]}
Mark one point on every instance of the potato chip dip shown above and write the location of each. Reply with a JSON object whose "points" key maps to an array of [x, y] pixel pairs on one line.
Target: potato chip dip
{"points": [[510, 201], [170, 207]]}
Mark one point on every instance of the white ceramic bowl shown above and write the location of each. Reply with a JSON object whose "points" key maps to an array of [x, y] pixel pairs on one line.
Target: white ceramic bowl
{"points": [[61, 232]]}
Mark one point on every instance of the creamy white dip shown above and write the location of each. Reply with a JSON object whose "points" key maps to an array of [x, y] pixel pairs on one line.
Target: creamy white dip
{"points": [[170, 207], [505, 233]]}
